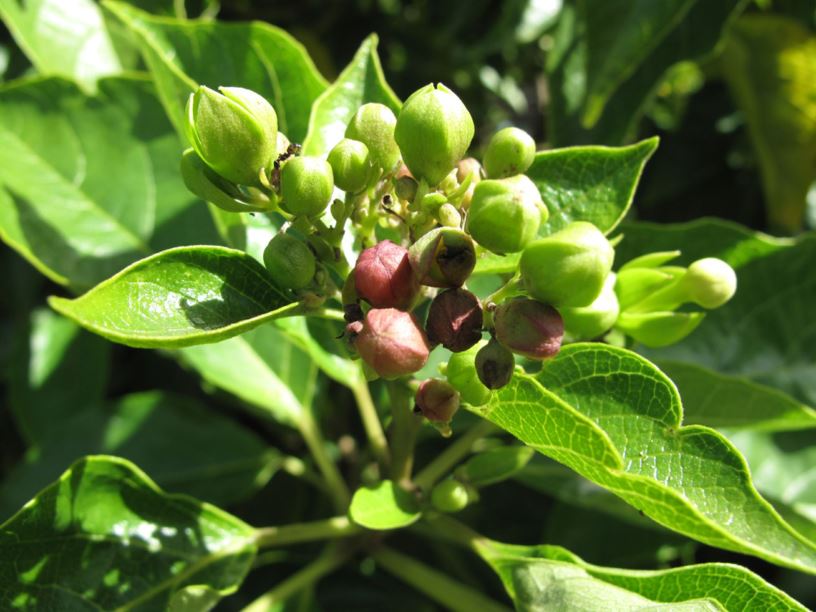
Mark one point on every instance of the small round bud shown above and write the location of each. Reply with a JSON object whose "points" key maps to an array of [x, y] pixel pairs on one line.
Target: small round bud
{"points": [[449, 496], [234, 132], [406, 188], [494, 365], [448, 215], [433, 131], [505, 214], [529, 328], [437, 400], [384, 277], [373, 124], [306, 185], [350, 164], [455, 320], [568, 268], [511, 151], [444, 257], [589, 322], [710, 282], [290, 262], [461, 374], [392, 343]]}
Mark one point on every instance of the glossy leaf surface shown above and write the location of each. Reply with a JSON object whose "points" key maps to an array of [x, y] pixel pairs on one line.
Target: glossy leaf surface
{"points": [[383, 506]]}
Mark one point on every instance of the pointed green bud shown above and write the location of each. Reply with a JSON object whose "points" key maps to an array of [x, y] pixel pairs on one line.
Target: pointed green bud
{"points": [[373, 124], [494, 364], [656, 329], [710, 282], [449, 496], [434, 130], [505, 214], [590, 322], [306, 185], [444, 257], [567, 268], [351, 165], [461, 374], [210, 187], [511, 151], [234, 132], [290, 262], [529, 328]]}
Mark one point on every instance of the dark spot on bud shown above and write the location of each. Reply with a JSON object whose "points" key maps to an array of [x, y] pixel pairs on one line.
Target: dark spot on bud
{"points": [[455, 320]]}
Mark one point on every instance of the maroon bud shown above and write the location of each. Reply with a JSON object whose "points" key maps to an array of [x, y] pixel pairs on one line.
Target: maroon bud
{"points": [[384, 278], [494, 365], [352, 312], [529, 327], [455, 320], [443, 257], [437, 400], [391, 342]]}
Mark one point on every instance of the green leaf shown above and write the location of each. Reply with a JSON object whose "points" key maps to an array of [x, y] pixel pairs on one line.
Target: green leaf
{"points": [[56, 369], [361, 82], [552, 578], [769, 64], [384, 506], [614, 418], [105, 536], [185, 446], [594, 184], [494, 465], [719, 400], [601, 72], [180, 297], [91, 184], [63, 38], [184, 54]]}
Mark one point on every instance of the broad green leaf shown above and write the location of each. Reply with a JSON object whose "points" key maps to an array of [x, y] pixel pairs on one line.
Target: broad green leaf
{"points": [[600, 102], [55, 370], [383, 506], [594, 184], [769, 63], [180, 297], [184, 54], [689, 479], [104, 536], [494, 465], [719, 400], [186, 447], [552, 578], [91, 184], [63, 38], [362, 81]]}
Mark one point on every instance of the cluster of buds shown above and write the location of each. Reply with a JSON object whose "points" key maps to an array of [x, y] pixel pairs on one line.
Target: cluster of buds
{"points": [[426, 212]]}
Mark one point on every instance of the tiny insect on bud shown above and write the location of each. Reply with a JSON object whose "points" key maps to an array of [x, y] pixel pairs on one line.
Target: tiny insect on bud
{"points": [[455, 320], [384, 277]]}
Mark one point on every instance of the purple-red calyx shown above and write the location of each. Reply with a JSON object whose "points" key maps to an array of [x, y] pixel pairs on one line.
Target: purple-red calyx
{"points": [[529, 328], [455, 320], [391, 342], [384, 277]]}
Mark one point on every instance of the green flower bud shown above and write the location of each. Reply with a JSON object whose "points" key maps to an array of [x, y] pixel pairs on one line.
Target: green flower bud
{"points": [[210, 187], [444, 257], [568, 268], [290, 262], [529, 328], [710, 282], [461, 374], [373, 124], [494, 365], [449, 496], [448, 215], [234, 132], [656, 329], [306, 185], [351, 165], [434, 130], [511, 151], [505, 214], [589, 322]]}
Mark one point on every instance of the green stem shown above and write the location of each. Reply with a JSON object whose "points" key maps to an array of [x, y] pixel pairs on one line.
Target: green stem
{"points": [[510, 289], [371, 421], [328, 313], [450, 593], [180, 9], [296, 467], [331, 558], [447, 460], [334, 481], [404, 427], [453, 531], [335, 527]]}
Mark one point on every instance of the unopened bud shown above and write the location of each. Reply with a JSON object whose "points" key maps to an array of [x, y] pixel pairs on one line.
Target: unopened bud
{"points": [[384, 277], [391, 342], [494, 365], [373, 124], [306, 185], [529, 328], [461, 373], [444, 257], [437, 400], [510, 152], [289, 261], [455, 320]]}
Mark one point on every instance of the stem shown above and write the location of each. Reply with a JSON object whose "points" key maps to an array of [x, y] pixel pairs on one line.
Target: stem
{"points": [[452, 455], [334, 481], [448, 592], [331, 558], [295, 466], [179, 9], [371, 421], [458, 533], [335, 527], [510, 289], [404, 427], [328, 313]]}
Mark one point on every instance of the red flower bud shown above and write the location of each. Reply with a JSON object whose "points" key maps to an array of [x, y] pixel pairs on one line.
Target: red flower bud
{"points": [[437, 400], [494, 365], [391, 342], [384, 278], [529, 328], [455, 320]]}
